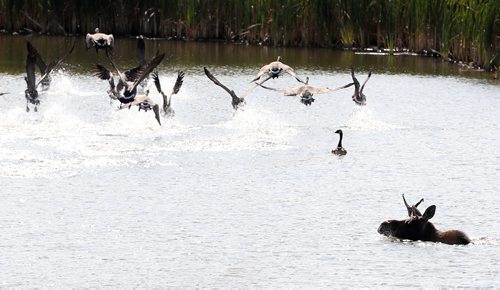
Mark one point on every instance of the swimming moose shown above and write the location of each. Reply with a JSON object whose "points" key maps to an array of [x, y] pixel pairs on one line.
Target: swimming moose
{"points": [[417, 227]]}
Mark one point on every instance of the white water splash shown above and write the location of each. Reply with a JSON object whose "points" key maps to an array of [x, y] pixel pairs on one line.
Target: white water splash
{"points": [[362, 118]]}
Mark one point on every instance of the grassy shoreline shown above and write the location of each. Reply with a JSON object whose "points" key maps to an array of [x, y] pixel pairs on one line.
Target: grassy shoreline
{"points": [[463, 31]]}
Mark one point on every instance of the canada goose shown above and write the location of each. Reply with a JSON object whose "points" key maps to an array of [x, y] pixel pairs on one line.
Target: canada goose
{"points": [[44, 69], [167, 99], [274, 70], [99, 40], [31, 94], [141, 55], [141, 51], [417, 227], [359, 98], [104, 74], [236, 101], [306, 91], [144, 103], [339, 150], [126, 89]]}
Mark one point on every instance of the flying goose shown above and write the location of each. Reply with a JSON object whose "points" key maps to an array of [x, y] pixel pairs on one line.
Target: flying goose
{"points": [[141, 55], [236, 101], [359, 98], [126, 89], [31, 93], [167, 99], [44, 69], [306, 91], [339, 150], [274, 70], [99, 40]]}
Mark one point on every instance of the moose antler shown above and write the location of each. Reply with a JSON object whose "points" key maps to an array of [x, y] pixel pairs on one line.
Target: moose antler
{"points": [[412, 210]]}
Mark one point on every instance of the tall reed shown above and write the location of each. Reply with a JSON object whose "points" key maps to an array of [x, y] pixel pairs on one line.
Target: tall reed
{"points": [[467, 30]]}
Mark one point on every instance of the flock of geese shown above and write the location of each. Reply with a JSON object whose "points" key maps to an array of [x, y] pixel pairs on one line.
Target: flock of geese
{"points": [[129, 88]]}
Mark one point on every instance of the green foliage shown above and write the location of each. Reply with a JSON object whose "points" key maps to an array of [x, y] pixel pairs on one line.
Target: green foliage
{"points": [[468, 30]]}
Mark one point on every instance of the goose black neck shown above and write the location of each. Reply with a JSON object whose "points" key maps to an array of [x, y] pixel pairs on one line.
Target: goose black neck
{"points": [[340, 140]]}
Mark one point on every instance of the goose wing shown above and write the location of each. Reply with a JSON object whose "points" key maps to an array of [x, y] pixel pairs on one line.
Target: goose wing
{"points": [[62, 58], [291, 72], [133, 73], [110, 40], [141, 48], [89, 40], [102, 72], [30, 67], [123, 78], [146, 70], [265, 69], [39, 61], [178, 82], [54, 64], [286, 91], [168, 98], [323, 90], [355, 81], [216, 81], [363, 86]]}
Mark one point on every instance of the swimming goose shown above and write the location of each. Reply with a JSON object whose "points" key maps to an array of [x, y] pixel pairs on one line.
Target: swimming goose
{"points": [[44, 69], [306, 91], [99, 40], [126, 89], [274, 70], [167, 99], [339, 150], [236, 101], [359, 98]]}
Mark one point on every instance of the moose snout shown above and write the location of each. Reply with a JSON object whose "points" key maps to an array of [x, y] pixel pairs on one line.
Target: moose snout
{"points": [[384, 228]]}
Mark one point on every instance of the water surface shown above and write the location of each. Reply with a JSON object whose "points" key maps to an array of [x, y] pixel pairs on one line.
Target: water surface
{"points": [[96, 197]]}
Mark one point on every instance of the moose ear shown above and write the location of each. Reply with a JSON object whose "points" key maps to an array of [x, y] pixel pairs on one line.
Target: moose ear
{"points": [[429, 212]]}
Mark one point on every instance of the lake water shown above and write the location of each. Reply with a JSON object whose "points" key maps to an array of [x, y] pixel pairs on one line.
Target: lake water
{"points": [[95, 197]]}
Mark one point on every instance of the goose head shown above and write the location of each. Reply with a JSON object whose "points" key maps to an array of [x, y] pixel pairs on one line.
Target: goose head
{"points": [[32, 96], [275, 71], [306, 98]]}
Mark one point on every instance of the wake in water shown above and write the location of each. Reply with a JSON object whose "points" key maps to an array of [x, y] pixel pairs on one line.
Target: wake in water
{"points": [[362, 118]]}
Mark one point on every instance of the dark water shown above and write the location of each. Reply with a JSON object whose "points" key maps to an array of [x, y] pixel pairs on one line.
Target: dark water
{"points": [[193, 55]]}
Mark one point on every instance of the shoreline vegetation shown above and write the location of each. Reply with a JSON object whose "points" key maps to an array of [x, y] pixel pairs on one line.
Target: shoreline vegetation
{"points": [[466, 32]]}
